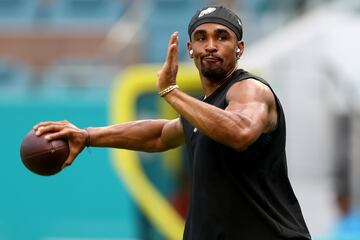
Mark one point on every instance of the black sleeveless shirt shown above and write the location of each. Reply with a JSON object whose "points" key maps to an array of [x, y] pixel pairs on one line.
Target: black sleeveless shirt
{"points": [[241, 195]]}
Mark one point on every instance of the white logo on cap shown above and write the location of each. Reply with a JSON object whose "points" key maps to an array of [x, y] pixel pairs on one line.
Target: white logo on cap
{"points": [[206, 11], [239, 22]]}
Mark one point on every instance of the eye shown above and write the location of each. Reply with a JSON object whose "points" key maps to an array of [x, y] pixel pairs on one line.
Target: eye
{"points": [[200, 38], [222, 38]]}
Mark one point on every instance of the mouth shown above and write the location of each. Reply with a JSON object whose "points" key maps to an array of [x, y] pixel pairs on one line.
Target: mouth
{"points": [[211, 59]]}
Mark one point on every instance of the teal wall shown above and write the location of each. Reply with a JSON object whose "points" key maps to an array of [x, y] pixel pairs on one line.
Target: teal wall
{"points": [[86, 200]]}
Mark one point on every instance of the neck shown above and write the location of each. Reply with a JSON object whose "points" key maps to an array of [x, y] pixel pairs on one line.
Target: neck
{"points": [[210, 86]]}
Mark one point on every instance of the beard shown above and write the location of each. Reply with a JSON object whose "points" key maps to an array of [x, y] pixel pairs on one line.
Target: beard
{"points": [[213, 72]]}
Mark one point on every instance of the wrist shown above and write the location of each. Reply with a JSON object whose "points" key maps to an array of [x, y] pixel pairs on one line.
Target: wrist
{"points": [[87, 137]]}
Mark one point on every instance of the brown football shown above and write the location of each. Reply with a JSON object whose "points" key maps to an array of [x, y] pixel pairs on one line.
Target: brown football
{"points": [[41, 156]]}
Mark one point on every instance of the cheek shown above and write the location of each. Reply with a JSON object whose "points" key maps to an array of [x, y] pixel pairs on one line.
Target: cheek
{"points": [[196, 59], [230, 56], [230, 59], [231, 52]]}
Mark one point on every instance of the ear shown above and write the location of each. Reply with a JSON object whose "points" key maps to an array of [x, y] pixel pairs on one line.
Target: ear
{"points": [[240, 46], [190, 50]]}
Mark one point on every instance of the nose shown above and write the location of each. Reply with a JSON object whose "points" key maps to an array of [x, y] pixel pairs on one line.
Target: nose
{"points": [[211, 46]]}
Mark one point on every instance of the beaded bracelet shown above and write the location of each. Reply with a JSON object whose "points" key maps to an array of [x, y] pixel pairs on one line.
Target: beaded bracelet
{"points": [[167, 90]]}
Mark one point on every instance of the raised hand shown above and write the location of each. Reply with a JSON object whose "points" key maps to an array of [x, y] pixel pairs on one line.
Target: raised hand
{"points": [[168, 72]]}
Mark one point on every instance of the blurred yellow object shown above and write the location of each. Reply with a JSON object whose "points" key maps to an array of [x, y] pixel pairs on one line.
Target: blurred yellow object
{"points": [[135, 81]]}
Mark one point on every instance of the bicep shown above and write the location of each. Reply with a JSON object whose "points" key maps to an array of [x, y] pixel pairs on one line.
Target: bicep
{"points": [[172, 134], [253, 103]]}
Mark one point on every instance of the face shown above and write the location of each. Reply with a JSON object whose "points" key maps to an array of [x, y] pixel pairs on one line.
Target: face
{"points": [[214, 50]]}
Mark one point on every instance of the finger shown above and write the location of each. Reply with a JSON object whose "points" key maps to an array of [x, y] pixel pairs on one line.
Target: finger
{"points": [[41, 124], [57, 135], [176, 50], [173, 38], [176, 38], [172, 56], [172, 48], [50, 128], [44, 124]]}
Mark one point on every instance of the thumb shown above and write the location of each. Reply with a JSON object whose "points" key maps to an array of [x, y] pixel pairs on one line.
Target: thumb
{"points": [[69, 160]]}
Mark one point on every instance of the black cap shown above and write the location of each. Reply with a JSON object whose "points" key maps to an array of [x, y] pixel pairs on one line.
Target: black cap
{"points": [[216, 14]]}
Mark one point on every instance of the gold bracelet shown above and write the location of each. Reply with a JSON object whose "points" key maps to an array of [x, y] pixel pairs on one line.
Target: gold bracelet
{"points": [[167, 90]]}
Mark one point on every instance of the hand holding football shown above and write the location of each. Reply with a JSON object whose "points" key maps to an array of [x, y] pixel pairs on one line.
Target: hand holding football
{"points": [[42, 156]]}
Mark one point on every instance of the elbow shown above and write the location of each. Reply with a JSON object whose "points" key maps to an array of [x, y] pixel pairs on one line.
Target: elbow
{"points": [[242, 142], [240, 147]]}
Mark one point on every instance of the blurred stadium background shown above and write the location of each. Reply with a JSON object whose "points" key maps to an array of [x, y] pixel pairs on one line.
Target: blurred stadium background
{"points": [[70, 59]]}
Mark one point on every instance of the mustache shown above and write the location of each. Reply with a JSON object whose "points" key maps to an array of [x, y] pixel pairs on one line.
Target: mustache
{"points": [[213, 55]]}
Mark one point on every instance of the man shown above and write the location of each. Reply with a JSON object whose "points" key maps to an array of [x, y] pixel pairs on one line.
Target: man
{"points": [[235, 134]]}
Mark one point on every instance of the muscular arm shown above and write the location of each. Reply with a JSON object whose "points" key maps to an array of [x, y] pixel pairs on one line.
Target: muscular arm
{"points": [[143, 135], [251, 108], [251, 111]]}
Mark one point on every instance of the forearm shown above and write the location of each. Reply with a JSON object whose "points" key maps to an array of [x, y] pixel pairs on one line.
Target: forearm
{"points": [[143, 135], [218, 124]]}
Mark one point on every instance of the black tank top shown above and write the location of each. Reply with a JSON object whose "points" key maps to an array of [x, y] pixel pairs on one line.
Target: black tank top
{"points": [[241, 195]]}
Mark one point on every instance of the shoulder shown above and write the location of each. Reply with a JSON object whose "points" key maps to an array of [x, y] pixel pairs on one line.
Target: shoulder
{"points": [[257, 95], [250, 89]]}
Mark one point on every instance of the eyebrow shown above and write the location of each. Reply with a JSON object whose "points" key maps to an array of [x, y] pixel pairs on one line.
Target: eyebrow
{"points": [[221, 30], [197, 32], [217, 31]]}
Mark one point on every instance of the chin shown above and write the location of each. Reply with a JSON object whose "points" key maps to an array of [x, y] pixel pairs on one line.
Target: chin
{"points": [[216, 74]]}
